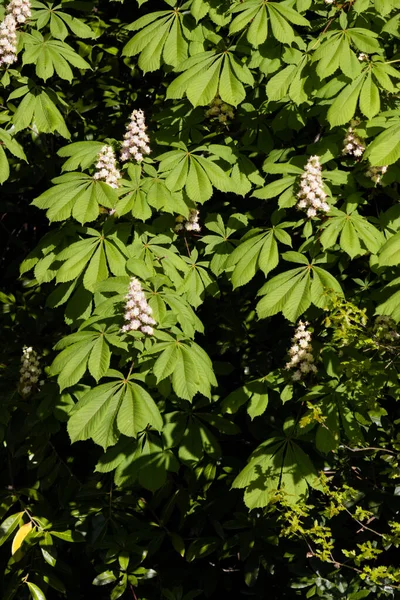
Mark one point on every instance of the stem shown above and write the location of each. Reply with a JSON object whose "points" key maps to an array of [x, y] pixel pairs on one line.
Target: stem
{"points": [[63, 462], [187, 246], [362, 524], [130, 370], [368, 448], [133, 592]]}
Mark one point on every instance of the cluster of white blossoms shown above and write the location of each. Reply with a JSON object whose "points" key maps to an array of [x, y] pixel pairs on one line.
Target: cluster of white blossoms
{"points": [[29, 371], [8, 41], [352, 144], [376, 173], [18, 11], [362, 57], [137, 311], [311, 194], [190, 224], [301, 357], [107, 167], [136, 141], [385, 329]]}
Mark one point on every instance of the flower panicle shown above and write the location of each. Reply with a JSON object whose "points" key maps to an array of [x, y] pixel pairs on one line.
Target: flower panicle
{"points": [[137, 310], [352, 144], [17, 12], [191, 223], [30, 371], [301, 357], [8, 41], [136, 141], [312, 196], [106, 167], [20, 10], [376, 173]]}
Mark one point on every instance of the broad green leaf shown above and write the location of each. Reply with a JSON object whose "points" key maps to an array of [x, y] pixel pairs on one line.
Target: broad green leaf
{"points": [[288, 292], [389, 255], [35, 591], [385, 149], [99, 360], [230, 87], [277, 87], [369, 98], [9, 526], [344, 106], [137, 411]]}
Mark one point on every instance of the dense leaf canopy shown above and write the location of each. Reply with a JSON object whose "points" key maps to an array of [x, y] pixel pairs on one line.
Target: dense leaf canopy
{"points": [[200, 357]]}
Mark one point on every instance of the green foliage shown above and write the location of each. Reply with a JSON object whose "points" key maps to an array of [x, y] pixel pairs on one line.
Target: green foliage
{"points": [[188, 458]]}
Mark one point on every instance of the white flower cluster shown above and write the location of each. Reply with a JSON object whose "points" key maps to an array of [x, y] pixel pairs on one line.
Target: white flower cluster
{"points": [[385, 329], [136, 141], [329, 1], [17, 13], [137, 311], [107, 167], [190, 224], [376, 173], [20, 10], [311, 195], [362, 57], [301, 357], [29, 371], [352, 144], [8, 41]]}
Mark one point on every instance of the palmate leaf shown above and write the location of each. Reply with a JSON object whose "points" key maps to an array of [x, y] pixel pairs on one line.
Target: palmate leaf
{"points": [[336, 52], [47, 245], [111, 409], [256, 251], [363, 91], [51, 55], [151, 251], [187, 364], [147, 463], [93, 258], [159, 196], [77, 195], [255, 393], [278, 464], [258, 14], [38, 107], [193, 172], [162, 38], [219, 244], [132, 195], [208, 74], [357, 235], [292, 292], [58, 20], [191, 435], [71, 258], [140, 193], [85, 349], [80, 154]]}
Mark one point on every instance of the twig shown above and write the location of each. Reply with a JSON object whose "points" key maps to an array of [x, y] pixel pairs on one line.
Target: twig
{"points": [[368, 448]]}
